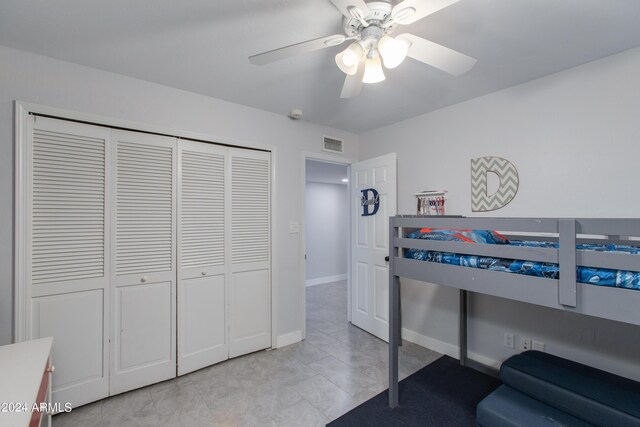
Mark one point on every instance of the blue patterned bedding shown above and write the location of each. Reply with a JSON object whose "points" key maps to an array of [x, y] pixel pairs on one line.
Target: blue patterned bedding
{"points": [[589, 275]]}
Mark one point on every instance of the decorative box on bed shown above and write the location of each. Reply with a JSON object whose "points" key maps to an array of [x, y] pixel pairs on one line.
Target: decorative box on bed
{"points": [[552, 256]]}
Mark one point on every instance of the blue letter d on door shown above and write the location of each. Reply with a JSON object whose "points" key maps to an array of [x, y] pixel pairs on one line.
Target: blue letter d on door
{"points": [[367, 201]]}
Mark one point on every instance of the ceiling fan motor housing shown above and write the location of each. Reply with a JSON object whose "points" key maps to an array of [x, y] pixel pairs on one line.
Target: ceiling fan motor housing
{"points": [[379, 11], [370, 36]]}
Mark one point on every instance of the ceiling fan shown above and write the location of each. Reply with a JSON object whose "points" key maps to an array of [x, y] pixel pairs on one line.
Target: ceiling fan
{"points": [[369, 25]]}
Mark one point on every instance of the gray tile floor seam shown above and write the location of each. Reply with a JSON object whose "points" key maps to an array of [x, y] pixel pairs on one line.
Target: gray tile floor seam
{"points": [[337, 367]]}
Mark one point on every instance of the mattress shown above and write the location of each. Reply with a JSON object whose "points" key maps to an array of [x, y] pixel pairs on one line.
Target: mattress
{"points": [[588, 275]]}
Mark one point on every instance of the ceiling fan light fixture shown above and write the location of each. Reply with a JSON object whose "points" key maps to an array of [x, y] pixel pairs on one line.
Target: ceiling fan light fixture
{"points": [[373, 72], [367, 25], [393, 51], [348, 59]]}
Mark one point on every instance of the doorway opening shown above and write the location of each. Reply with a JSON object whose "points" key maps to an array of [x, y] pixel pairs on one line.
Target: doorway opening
{"points": [[326, 246]]}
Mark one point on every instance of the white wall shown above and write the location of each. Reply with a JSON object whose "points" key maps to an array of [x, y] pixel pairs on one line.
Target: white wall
{"points": [[38, 79], [575, 139], [326, 224], [572, 135]]}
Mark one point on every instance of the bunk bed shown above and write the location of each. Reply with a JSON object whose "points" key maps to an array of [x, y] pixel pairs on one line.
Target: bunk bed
{"points": [[477, 260]]}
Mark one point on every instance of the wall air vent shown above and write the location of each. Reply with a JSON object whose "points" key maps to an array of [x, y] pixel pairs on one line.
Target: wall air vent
{"points": [[332, 145]]}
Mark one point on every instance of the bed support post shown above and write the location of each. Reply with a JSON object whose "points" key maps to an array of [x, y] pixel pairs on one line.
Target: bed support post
{"points": [[462, 327], [567, 289], [394, 319]]}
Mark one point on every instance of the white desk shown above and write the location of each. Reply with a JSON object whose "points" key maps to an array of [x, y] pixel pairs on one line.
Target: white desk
{"points": [[25, 379]]}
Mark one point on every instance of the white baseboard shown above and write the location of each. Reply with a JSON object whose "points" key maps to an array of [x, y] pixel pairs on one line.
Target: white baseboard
{"points": [[430, 343], [287, 339], [327, 279], [484, 360], [446, 348]]}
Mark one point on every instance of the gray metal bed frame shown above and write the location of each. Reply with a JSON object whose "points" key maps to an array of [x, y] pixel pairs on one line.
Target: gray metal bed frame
{"points": [[566, 294]]}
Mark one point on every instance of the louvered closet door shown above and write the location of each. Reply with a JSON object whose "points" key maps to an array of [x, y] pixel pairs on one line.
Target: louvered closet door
{"points": [[67, 253], [143, 274], [202, 256], [250, 290]]}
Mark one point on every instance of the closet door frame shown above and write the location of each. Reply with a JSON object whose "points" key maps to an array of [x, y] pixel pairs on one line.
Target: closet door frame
{"points": [[22, 111]]}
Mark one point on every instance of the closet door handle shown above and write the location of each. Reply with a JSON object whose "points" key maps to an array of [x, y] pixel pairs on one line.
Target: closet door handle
{"points": [[144, 279], [204, 272], [386, 258]]}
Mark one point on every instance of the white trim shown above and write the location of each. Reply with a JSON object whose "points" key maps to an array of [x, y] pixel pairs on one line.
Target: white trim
{"points": [[349, 184], [95, 119], [484, 360], [288, 339], [22, 110], [327, 279], [327, 158], [430, 343], [446, 348], [19, 225], [273, 253]]}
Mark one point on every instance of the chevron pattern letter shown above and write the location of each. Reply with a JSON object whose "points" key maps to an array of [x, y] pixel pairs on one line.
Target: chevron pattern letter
{"points": [[508, 174]]}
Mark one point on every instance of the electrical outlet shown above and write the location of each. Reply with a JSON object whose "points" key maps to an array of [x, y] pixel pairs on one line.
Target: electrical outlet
{"points": [[508, 340], [537, 345], [525, 344]]}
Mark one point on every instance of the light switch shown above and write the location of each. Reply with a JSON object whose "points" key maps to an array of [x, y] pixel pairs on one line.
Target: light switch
{"points": [[294, 227]]}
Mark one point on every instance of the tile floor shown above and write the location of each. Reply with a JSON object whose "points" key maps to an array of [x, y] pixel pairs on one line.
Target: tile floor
{"points": [[310, 383]]}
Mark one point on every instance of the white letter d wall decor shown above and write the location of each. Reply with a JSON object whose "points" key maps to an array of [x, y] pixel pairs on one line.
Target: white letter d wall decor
{"points": [[508, 175]]}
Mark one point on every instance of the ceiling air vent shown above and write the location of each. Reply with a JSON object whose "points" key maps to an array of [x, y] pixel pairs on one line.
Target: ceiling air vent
{"points": [[332, 145]]}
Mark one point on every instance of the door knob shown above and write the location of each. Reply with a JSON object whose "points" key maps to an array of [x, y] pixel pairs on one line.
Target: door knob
{"points": [[386, 258], [144, 279], [204, 272]]}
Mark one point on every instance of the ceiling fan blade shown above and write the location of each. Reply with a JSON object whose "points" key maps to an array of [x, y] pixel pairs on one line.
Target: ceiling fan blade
{"points": [[296, 49], [437, 56], [353, 84], [409, 11], [346, 6]]}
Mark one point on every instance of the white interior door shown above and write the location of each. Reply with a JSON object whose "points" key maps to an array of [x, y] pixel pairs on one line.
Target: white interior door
{"points": [[375, 180], [67, 254], [202, 256], [250, 281], [143, 273]]}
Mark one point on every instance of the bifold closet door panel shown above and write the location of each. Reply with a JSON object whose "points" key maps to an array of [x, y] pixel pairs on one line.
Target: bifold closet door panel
{"points": [[143, 271], [67, 253], [250, 281], [202, 255]]}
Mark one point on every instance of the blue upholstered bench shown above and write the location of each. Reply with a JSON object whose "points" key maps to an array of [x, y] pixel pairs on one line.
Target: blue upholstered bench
{"points": [[506, 407], [541, 389]]}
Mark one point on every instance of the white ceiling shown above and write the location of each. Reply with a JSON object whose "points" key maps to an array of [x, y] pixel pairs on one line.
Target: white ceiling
{"points": [[202, 46]]}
